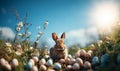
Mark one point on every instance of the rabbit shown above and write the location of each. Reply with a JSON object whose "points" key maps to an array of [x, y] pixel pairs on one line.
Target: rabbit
{"points": [[59, 51]]}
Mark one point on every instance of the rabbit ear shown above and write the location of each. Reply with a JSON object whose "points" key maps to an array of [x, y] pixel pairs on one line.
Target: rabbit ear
{"points": [[54, 36], [63, 35]]}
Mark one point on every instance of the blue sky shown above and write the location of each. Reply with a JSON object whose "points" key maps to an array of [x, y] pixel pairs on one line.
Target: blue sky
{"points": [[63, 16]]}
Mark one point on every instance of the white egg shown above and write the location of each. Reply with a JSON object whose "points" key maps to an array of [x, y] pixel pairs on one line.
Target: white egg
{"points": [[62, 61], [57, 66], [32, 61], [47, 56], [80, 61], [42, 68], [69, 56], [15, 62], [90, 51], [49, 62], [72, 61], [35, 58], [87, 64], [69, 67], [67, 60], [34, 68], [76, 66], [2, 62], [8, 67], [42, 61], [82, 52]]}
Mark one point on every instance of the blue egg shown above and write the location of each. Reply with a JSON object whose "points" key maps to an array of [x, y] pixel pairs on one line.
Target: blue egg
{"points": [[29, 65], [57, 66], [95, 60], [49, 62], [104, 59], [118, 58]]}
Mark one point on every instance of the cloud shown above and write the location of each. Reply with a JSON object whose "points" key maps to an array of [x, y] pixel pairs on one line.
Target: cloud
{"points": [[81, 36], [6, 33]]}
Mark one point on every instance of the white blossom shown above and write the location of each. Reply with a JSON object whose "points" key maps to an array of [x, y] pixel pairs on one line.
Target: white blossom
{"points": [[20, 34], [20, 24], [18, 29]]}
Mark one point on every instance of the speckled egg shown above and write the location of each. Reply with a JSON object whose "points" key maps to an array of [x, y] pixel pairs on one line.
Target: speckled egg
{"points": [[34, 68], [57, 66], [62, 61], [76, 66], [72, 61], [42, 68], [35, 58], [87, 65], [95, 60], [82, 52], [49, 62], [15, 62], [80, 61], [42, 61]]}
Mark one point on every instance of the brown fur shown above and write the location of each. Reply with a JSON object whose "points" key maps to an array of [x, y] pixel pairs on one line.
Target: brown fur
{"points": [[59, 51]]}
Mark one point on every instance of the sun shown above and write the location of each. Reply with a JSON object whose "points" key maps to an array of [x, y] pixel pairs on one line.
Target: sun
{"points": [[104, 15]]}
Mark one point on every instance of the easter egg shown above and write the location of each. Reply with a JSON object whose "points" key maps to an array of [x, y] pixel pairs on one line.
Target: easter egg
{"points": [[62, 61], [82, 52], [69, 67], [72, 61], [34, 68], [42, 68], [104, 59], [57, 66], [75, 66], [50, 70], [8, 67], [87, 65], [29, 65], [49, 62], [67, 60], [42, 61], [90, 51], [2, 62], [15, 62], [35, 58], [95, 60], [80, 61], [32, 61], [118, 58], [69, 56]]}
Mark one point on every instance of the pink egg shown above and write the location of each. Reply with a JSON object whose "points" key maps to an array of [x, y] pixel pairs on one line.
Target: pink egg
{"points": [[62, 61], [82, 52], [72, 61], [35, 59], [67, 60], [42, 62], [42, 68], [80, 61], [87, 64], [8, 67], [76, 66], [34, 68], [2, 62], [88, 55]]}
